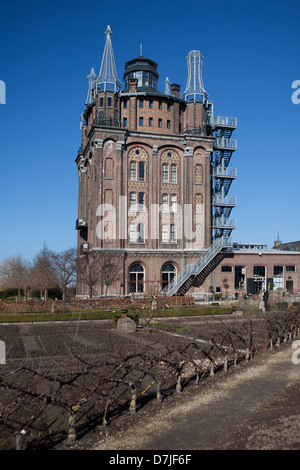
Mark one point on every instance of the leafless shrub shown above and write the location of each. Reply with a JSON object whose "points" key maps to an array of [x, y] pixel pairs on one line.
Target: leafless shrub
{"points": [[48, 404]]}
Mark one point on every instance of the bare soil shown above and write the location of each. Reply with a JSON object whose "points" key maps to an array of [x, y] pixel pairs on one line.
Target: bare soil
{"points": [[254, 405]]}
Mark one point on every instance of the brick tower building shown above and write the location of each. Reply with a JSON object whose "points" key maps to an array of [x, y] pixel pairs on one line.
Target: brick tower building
{"points": [[154, 179]]}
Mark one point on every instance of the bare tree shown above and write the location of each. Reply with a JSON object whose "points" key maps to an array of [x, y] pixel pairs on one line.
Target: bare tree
{"points": [[103, 267], [226, 286], [15, 274], [88, 267], [64, 268], [43, 275], [111, 269]]}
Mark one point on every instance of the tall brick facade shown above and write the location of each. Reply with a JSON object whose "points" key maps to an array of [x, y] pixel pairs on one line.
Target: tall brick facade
{"points": [[145, 182]]}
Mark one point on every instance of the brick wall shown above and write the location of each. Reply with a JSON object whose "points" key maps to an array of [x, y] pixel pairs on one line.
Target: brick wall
{"points": [[50, 306]]}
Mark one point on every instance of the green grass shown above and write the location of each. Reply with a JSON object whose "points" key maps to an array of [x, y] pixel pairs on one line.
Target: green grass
{"points": [[40, 317], [168, 327], [27, 316]]}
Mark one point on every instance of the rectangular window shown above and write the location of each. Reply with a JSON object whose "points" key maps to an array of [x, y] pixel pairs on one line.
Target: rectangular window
{"points": [[151, 104], [125, 104], [278, 277], [278, 270], [290, 269], [142, 173], [141, 121], [226, 269], [124, 122], [259, 271], [132, 171], [141, 103], [173, 233], [160, 123], [150, 122], [165, 173], [141, 202], [141, 233], [132, 233], [165, 202], [164, 233], [132, 201], [239, 277], [168, 107], [160, 105], [101, 102], [109, 102], [173, 205], [168, 124], [173, 173]]}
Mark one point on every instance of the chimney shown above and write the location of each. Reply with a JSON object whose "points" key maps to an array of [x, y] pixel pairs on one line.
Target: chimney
{"points": [[175, 89], [133, 85]]}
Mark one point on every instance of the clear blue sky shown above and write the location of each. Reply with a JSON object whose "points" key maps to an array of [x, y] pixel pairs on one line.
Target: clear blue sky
{"points": [[251, 57]]}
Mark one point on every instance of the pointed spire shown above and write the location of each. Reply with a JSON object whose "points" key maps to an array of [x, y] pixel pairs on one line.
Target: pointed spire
{"points": [[194, 87], [167, 86], [108, 79], [91, 79]]}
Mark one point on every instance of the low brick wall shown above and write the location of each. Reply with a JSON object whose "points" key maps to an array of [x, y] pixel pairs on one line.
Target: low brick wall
{"points": [[56, 306]]}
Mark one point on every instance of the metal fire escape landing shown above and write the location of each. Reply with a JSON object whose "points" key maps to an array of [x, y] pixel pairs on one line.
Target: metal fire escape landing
{"points": [[222, 176], [222, 204], [199, 270]]}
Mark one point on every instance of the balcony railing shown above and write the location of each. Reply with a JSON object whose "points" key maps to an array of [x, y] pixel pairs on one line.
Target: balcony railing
{"points": [[227, 201], [225, 121], [224, 172], [193, 130], [222, 222], [106, 122], [81, 223], [227, 144]]}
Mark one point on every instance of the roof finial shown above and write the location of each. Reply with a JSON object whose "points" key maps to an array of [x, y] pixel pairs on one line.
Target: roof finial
{"points": [[194, 87], [108, 31], [108, 79], [91, 79], [141, 49], [167, 86]]}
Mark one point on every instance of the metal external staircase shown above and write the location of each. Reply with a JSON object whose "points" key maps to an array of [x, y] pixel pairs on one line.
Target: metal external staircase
{"points": [[184, 280]]}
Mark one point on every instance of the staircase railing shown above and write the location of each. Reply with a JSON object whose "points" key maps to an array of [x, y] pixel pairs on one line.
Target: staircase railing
{"points": [[194, 269]]}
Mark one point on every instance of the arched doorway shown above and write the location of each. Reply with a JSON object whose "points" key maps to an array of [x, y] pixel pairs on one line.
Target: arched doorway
{"points": [[136, 278], [168, 272]]}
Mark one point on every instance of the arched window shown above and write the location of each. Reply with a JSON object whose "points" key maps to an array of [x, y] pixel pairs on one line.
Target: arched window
{"points": [[168, 271], [136, 278], [198, 174]]}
